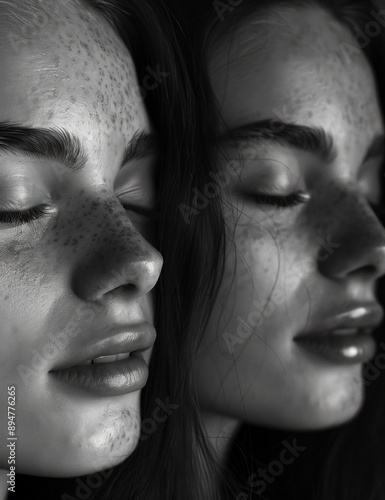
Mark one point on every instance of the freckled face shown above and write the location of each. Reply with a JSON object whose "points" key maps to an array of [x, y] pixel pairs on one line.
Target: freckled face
{"points": [[83, 267], [291, 268]]}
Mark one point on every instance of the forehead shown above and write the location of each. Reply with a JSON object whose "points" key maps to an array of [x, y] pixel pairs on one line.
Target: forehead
{"points": [[72, 70], [290, 65]]}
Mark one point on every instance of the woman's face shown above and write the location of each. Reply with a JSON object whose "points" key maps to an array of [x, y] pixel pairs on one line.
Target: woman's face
{"points": [[305, 248], [75, 282]]}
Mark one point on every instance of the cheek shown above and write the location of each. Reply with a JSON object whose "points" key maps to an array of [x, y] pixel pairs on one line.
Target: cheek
{"points": [[25, 270], [250, 276], [26, 301], [258, 256]]}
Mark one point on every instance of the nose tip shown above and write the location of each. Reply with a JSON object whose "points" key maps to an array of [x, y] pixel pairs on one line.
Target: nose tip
{"points": [[148, 272], [361, 249], [378, 264], [116, 257], [110, 274], [137, 276]]}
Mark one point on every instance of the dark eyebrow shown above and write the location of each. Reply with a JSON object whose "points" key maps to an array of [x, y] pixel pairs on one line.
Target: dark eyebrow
{"points": [[49, 143], [141, 145], [314, 140]]}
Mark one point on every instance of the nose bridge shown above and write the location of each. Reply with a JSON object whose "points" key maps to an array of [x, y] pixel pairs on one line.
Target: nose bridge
{"points": [[115, 253], [360, 236]]}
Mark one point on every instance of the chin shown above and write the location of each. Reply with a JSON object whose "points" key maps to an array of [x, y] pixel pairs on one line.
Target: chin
{"points": [[79, 452], [335, 408], [313, 420], [317, 406], [82, 464]]}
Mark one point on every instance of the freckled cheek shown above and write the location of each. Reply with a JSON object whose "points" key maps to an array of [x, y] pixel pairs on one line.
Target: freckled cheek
{"points": [[257, 255], [24, 270], [27, 295]]}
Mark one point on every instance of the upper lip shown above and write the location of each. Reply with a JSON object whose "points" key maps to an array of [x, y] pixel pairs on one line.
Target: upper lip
{"points": [[121, 340], [359, 316]]}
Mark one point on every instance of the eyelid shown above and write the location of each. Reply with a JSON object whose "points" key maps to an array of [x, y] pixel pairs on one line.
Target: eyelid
{"points": [[25, 216], [286, 201]]}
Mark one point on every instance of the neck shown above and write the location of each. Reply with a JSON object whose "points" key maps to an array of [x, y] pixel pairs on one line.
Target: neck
{"points": [[3, 484], [220, 431]]}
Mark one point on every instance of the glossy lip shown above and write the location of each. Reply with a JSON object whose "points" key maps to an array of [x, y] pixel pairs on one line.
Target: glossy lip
{"points": [[361, 316], [115, 377], [107, 379], [349, 349], [353, 346], [120, 340]]}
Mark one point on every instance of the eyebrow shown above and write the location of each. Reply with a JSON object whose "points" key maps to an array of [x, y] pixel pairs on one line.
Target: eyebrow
{"points": [[314, 140], [60, 145], [141, 145]]}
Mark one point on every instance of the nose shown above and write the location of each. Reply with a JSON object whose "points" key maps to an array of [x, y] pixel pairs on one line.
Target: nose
{"points": [[359, 241], [116, 258]]}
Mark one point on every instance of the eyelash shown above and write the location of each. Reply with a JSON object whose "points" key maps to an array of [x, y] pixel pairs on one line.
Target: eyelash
{"points": [[23, 216], [300, 198], [280, 201]]}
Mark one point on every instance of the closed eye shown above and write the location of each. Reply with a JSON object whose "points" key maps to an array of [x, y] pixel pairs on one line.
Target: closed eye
{"points": [[288, 201], [21, 217]]}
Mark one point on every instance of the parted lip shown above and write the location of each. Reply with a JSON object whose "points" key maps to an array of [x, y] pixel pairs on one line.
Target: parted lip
{"points": [[125, 339], [361, 317]]}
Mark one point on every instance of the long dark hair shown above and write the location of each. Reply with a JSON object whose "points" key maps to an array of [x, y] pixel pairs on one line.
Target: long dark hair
{"points": [[172, 460], [347, 462], [167, 461]]}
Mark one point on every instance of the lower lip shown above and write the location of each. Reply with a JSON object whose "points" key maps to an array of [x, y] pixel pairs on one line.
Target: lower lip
{"points": [[107, 379], [341, 349]]}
